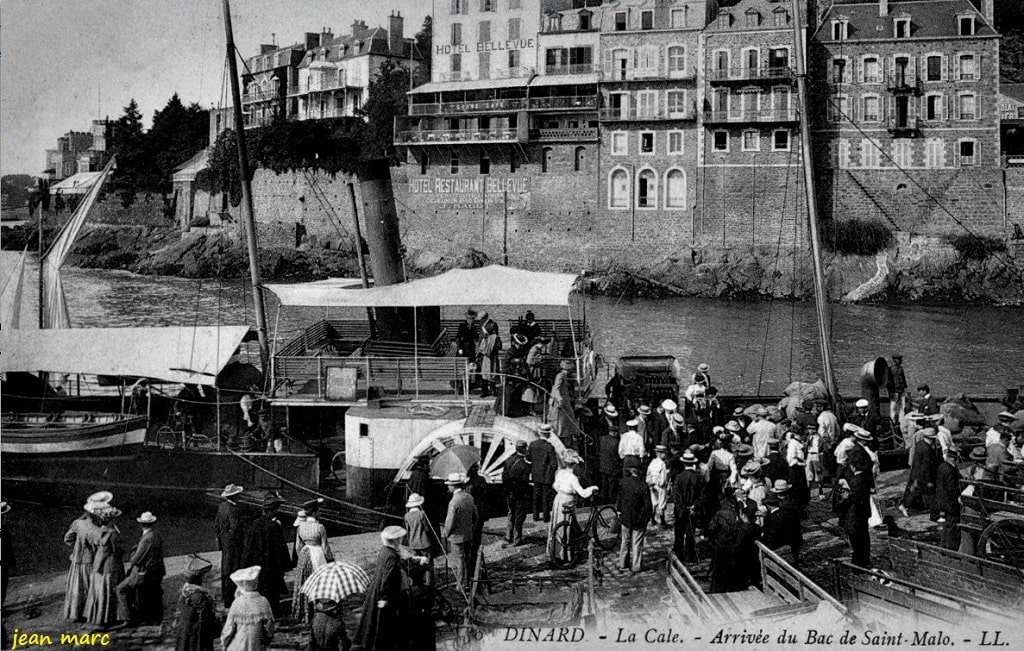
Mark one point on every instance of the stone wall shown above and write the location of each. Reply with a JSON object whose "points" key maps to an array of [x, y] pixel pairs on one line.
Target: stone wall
{"points": [[1014, 200]]}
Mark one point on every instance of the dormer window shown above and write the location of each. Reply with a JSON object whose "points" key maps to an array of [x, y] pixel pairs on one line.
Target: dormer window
{"points": [[840, 31], [646, 20], [724, 19], [966, 23], [901, 27], [780, 17], [555, 23], [585, 20], [620, 21], [753, 18]]}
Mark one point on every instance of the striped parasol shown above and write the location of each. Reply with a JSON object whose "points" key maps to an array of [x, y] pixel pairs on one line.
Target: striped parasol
{"points": [[335, 581]]}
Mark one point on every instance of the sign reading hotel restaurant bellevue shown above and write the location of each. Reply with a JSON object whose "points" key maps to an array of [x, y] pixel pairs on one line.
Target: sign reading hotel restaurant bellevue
{"points": [[472, 192], [485, 46]]}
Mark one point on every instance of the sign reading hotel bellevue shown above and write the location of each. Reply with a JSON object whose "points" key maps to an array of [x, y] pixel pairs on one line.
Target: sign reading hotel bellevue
{"points": [[485, 46], [472, 192]]}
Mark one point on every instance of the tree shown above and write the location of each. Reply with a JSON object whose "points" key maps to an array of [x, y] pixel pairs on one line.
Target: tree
{"points": [[127, 143], [387, 100], [1009, 15], [178, 133], [424, 40]]}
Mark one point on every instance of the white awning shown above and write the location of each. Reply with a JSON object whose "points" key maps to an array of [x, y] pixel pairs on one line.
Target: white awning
{"points": [[564, 80], [475, 84], [177, 354], [493, 285]]}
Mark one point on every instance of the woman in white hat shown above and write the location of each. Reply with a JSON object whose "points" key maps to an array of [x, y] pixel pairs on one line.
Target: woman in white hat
{"points": [[313, 552], [250, 624], [567, 486], [81, 537], [380, 624], [101, 604], [562, 404], [489, 357]]}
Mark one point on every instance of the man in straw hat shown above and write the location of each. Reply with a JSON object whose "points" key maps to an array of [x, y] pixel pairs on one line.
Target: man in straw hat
{"points": [[853, 504], [421, 539], [562, 403], [265, 546], [230, 529], [459, 526], [657, 482], [197, 611], [634, 508], [81, 538], [924, 463], [382, 618], [515, 479], [250, 623], [543, 464], [141, 589], [686, 496], [760, 431], [631, 443]]}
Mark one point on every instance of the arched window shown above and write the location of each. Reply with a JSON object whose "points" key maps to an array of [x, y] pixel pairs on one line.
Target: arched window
{"points": [[545, 160], [578, 160], [675, 188], [618, 188], [646, 189]]}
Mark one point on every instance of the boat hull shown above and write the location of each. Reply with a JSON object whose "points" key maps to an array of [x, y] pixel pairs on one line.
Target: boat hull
{"points": [[72, 433]]}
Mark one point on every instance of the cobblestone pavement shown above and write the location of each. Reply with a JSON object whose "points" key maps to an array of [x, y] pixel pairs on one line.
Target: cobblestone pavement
{"points": [[34, 602]]}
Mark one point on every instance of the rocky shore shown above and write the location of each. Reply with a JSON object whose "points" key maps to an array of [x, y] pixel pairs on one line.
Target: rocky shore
{"points": [[915, 269]]}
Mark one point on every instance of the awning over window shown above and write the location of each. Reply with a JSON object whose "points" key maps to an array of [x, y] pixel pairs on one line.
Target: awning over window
{"points": [[493, 285], [185, 355]]}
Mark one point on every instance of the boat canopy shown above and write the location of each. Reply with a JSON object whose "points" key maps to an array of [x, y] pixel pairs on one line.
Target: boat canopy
{"points": [[491, 285], [174, 354]]}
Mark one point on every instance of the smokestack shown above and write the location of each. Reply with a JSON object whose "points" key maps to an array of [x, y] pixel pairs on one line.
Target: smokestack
{"points": [[883, 8], [396, 27], [988, 10]]}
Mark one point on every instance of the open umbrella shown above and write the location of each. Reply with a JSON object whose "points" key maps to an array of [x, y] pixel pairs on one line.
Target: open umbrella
{"points": [[457, 458], [335, 581]]}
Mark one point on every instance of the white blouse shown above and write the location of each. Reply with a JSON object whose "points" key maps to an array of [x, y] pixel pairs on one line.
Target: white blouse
{"points": [[568, 483]]}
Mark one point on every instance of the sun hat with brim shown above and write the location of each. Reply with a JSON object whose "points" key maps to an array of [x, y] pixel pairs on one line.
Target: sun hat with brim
{"points": [[102, 497], [660, 448], [743, 450], [733, 426], [1005, 414], [92, 507], [146, 518], [455, 479], [231, 489], [978, 453], [393, 532], [678, 418], [862, 403], [519, 339], [415, 499], [585, 412], [545, 428], [570, 456], [4, 508], [669, 405], [107, 512], [300, 517], [703, 368], [750, 468], [610, 410], [632, 423], [246, 576], [781, 486], [196, 567], [915, 416], [644, 409], [688, 458], [862, 434]]}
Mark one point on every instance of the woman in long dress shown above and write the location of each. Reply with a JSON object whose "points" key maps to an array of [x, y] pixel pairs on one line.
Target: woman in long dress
{"points": [[81, 536], [250, 624], [314, 551], [490, 354], [197, 612], [101, 604], [567, 487]]}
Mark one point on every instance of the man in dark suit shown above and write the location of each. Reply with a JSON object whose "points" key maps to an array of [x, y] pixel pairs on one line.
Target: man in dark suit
{"points": [[609, 463], [782, 525], [924, 463], [141, 590], [543, 464], [687, 490], [459, 527], [947, 499], [515, 479], [854, 507], [265, 546], [926, 403], [635, 512], [230, 527]]}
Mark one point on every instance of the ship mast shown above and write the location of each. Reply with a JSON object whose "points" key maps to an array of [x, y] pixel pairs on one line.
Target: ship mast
{"points": [[259, 303], [820, 297]]}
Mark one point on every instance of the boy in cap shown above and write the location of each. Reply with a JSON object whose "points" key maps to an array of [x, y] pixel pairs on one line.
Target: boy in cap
{"points": [[250, 624], [657, 481]]}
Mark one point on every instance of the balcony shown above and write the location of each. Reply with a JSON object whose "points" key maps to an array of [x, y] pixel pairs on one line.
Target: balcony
{"points": [[497, 73], [638, 114], [751, 116], [570, 69], [324, 86], [455, 136], [904, 85], [470, 106], [905, 126], [769, 74], [260, 96], [648, 74], [563, 102], [563, 135]]}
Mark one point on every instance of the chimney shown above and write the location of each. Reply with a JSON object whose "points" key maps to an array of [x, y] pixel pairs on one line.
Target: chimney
{"points": [[396, 37], [358, 27], [988, 10], [267, 47], [325, 36], [883, 8], [312, 40]]}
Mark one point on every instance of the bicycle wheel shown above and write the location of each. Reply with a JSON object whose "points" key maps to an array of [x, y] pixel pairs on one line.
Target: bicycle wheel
{"points": [[606, 528], [566, 543], [167, 437], [199, 442]]}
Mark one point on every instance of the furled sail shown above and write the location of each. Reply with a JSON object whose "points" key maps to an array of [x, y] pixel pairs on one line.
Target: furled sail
{"points": [[10, 297], [54, 304]]}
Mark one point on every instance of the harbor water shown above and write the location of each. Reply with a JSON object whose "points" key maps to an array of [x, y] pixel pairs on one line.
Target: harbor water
{"points": [[752, 347]]}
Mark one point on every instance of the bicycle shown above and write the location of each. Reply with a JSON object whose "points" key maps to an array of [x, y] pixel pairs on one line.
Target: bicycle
{"points": [[602, 527], [179, 433]]}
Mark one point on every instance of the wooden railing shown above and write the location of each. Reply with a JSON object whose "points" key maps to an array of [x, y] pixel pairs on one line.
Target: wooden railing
{"points": [[970, 576], [787, 584], [358, 378]]}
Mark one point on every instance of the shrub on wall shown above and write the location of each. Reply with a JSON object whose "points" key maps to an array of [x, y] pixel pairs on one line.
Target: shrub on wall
{"points": [[975, 247], [856, 237]]}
